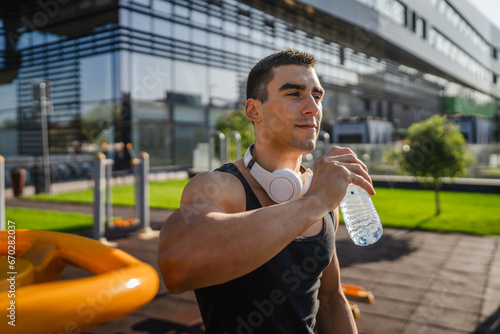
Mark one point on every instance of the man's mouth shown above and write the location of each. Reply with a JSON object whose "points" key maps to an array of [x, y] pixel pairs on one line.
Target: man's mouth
{"points": [[307, 126]]}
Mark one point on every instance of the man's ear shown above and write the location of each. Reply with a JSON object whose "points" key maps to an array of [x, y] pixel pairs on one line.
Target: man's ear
{"points": [[253, 110]]}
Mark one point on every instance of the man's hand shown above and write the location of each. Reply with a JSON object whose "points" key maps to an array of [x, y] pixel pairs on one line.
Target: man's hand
{"points": [[339, 167]]}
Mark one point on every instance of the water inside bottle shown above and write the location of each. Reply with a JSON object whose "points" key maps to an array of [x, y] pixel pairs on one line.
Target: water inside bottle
{"points": [[360, 216]]}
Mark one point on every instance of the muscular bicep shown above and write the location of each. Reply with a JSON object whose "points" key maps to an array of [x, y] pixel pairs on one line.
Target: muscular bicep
{"points": [[217, 191], [212, 192]]}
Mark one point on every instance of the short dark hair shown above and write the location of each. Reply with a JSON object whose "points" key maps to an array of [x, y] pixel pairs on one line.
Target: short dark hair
{"points": [[261, 74]]}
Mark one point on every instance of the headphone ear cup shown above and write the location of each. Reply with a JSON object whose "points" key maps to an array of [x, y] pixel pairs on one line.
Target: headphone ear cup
{"points": [[286, 187]]}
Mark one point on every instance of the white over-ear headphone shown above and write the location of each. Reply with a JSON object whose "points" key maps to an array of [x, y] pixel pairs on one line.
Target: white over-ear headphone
{"points": [[283, 184]]}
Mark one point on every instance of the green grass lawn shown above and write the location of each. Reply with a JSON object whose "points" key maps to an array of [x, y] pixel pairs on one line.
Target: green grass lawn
{"points": [[163, 195], [472, 213], [48, 220]]}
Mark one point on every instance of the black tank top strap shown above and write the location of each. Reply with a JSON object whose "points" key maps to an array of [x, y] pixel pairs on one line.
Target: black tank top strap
{"points": [[252, 202]]}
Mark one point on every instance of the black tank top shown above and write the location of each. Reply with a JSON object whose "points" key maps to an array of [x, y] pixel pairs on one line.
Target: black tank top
{"points": [[281, 296]]}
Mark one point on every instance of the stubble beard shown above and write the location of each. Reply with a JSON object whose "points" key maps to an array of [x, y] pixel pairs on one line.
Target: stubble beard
{"points": [[300, 146]]}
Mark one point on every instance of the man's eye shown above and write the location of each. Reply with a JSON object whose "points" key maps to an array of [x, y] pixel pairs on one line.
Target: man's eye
{"points": [[293, 94], [318, 97]]}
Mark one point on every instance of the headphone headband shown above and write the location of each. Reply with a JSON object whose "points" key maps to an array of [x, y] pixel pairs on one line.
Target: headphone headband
{"points": [[248, 160], [282, 185]]}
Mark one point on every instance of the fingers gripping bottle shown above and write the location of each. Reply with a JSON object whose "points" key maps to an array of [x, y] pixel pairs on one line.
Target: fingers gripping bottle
{"points": [[360, 217]]}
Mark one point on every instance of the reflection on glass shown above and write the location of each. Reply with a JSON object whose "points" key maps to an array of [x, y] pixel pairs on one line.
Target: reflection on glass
{"points": [[142, 2], [223, 84], [230, 27], [144, 110], [2, 42], [97, 122], [181, 11], [97, 78], [215, 21], [162, 6], [141, 21], [199, 17], [393, 9], [181, 31], [150, 77], [230, 45], [191, 79], [8, 118], [215, 40], [200, 37], [8, 95], [162, 27]]}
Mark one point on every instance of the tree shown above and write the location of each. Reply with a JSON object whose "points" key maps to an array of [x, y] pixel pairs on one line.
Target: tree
{"points": [[96, 121], [435, 149], [236, 120]]}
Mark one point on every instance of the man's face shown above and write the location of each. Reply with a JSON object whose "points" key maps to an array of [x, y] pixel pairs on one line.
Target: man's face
{"points": [[292, 113]]}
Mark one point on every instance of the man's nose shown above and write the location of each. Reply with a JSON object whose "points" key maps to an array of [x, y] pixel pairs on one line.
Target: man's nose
{"points": [[313, 106]]}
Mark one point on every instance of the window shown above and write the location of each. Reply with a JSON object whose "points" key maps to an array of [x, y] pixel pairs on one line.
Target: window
{"points": [[2, 41], [162, 27], [181, 32], [367, 104], [393, 9], [452, 51], [142, 2], [8, 95], [150, 77], [420, 27], [461, 24], [215, 40], [200, 37], [162, 6], [181, 11], [199, 17], [141, 22], [215, 22], [97, 78]]}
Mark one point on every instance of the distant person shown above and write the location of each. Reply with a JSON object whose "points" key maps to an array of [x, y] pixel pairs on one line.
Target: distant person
{"points": [[258, 250]]}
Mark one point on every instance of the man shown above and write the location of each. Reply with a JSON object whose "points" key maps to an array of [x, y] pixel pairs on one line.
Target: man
{"points": [[258, 266]]}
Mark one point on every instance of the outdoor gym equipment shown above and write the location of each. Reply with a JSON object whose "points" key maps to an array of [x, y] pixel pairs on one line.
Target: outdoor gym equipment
{"points": [[237, 141], [324, 137], [224, 146], [359, 293], [120, 285], [211, 147], [102, 178]]}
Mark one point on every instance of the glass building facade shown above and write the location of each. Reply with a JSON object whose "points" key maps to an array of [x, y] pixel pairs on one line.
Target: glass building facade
{"points": [[159, 73]]}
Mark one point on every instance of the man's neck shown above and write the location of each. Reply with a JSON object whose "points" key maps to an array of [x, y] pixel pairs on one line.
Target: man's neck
{"points": [[271, 159]]}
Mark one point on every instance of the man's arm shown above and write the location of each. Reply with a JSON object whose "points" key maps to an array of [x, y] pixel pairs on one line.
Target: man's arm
{"points": [[211, 239], [334, 315]]}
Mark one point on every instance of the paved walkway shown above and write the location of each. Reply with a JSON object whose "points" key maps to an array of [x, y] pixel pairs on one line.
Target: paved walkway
{"points": [[423, 282]]}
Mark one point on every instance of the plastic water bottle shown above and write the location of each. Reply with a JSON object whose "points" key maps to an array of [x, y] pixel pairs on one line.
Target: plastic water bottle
{"points": [[360, 217]]}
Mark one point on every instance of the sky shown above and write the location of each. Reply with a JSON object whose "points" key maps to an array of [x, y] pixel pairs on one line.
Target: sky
{"points": [[490, 8]]}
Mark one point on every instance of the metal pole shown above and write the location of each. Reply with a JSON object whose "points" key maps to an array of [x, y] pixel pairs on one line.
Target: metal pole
{"points": [[237, 140], [2, 193], [211, 147], [109, 203], [45, 136], [99, 184], [325, 138], [137, 175], [144, 191]]}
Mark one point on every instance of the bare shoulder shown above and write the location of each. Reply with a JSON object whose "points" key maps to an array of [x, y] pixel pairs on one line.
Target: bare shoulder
{"points": [[215, 189]]}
